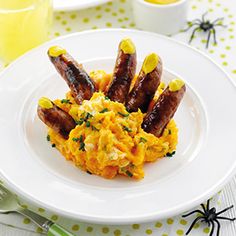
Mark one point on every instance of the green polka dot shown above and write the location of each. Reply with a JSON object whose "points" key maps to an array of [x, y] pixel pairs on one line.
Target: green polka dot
{"points": [[107, 9], [89, 229], [105, 230], [122, 10], [196, 226], [75, 227], [117, 232], [98, 8], [98, 16], [148, 231], [180, 232], [211, 51], [62, 12], [68, 29], [231, 36], [211, 10], [110, 3], [194, 7], [203, 41], [124, 26], [226, 9], [234, 71], [41, 210], [222, 55], [227, 47], [122, 1], [58, 17], [170, 221], [26, 221], [54, 217], [230, 30], [224, 63], [135, 226], [132, 24], [183, 222], [126, 18], [73, 16], [206, 230], [230, 16], [158, 225], [86, 20], [222, 39], [39, 230], [108, 24], [24, 206], [114, 13], [218, 4], [94, 27], [64, 22], [120, 20], [164, 235], [57, 34]]}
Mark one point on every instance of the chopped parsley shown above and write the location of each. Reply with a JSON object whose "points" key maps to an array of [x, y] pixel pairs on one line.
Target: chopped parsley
{"points": [[66, 101], [75, 139], [170, 154], [129, 173], [82, 144], [79, 122], [89, 172], [53, 145], [127, 128], [94, 128], [88, 115], [104, 110], [107, 98], [122, 114], [169, 131], [84, 119], [81, 138], [48, 137], [142, 140], [87, 124]]}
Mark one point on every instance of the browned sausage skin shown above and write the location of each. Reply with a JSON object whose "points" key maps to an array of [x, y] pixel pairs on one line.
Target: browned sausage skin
{"points": [[81, 85], [146, 84], [55, 118], [164, 109], [124, 71]]}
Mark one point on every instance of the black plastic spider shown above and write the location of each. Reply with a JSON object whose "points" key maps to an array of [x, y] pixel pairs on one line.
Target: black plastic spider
{"points": [[210, 217], [205, 26]]}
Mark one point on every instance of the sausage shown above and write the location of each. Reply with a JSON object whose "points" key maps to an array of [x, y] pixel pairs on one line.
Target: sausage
{"points": [[55, 118], [146, 84], [81, 85], [124, 71], [164, 109]]}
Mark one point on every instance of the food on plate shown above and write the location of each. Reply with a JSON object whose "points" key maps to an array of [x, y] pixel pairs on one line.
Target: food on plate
{"points": [[124, 71], [162, 2], [146, 84], [79, 82], [104, 136], [55, 118], [164, 109]]}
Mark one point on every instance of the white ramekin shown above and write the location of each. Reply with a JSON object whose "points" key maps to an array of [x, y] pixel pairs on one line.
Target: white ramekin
{"points": [[162, 19]]}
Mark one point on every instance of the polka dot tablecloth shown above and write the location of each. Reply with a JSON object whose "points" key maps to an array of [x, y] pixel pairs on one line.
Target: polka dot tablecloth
{"points": [[118, 14]]}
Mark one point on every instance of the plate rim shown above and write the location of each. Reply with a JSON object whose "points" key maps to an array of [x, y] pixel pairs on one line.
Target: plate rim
{"points": [[144, 218]]}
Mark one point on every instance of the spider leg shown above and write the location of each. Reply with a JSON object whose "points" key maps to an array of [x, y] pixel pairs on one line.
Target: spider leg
{"points": [[226, 218], [185, 30], [203, 207], [212, 228], [225, 26], [218, 228], [226, 209], [203, 16], [208, 205], [218, 19], [191, 226], [208, 39], [193, 33], [214, 35], [192, 212]]}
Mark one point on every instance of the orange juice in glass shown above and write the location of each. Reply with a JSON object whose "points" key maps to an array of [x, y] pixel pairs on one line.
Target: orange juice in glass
{"points": [[24, 24]]}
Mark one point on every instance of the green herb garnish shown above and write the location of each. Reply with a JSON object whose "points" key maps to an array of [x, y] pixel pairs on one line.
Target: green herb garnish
{"points": [[122, 114], [107, 98], [66, 101], [82, 146], [104, 110], [88, 115], [142, 140], [170, 154], [169, 131], [127, 129], [53, 145], [87, 124], [94, 128], [48, 137], [129, 173], [89, 172], [75, 139], [81, 138]]}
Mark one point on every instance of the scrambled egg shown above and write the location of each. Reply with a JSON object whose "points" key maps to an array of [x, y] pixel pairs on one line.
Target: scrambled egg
{"points": [[108, 140]]}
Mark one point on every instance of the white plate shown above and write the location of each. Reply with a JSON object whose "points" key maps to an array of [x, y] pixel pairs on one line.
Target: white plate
{"points": [[71, 5], [205, 157]]}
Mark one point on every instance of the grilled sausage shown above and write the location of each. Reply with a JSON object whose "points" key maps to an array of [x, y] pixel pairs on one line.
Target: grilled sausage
{"points": [[146, 84], [81, 85], [55, 118], [164, 109], [124, 71]]}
